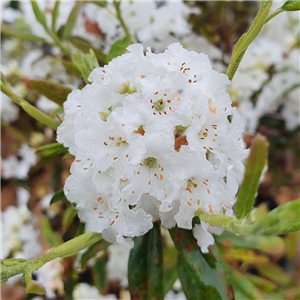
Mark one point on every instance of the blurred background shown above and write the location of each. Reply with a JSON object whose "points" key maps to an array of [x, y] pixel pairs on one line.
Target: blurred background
{"points": [[265, 90]]}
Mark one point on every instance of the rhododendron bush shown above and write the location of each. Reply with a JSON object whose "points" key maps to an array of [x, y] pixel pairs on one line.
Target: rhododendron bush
{"points": [[150, 150]]}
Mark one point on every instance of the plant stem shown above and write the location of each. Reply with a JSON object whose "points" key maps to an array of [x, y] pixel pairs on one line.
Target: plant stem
{"points": [[68, 248], [30, 109], [120, 18], [274, 14]]}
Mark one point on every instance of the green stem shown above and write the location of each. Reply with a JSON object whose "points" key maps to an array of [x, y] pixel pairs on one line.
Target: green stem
{"points": [[30, 109], [247, 38], [274, 14], [120, 18], [68, 248]]}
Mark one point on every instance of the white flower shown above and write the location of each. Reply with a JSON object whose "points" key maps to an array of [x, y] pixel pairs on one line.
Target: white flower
{"points": [[155, 137], [84, 291]]}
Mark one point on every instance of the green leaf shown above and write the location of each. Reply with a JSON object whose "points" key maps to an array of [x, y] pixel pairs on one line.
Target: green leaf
{"points": [[262, 283], [255, 164], [86, 64], [118, 47], [281, 220], [99, 3], [244, 288], [51, 149], [85, 47], [92, 251], [71, 68], [55, 13], [21, 34], [80, 229], [291, 5], [274, 273], [71, 21], [49, 235], [39, 15], [100, 274], [272, 245], [52, 90], [69, 216], [59, 195], [170, 268], [208, 272], [145, 266], [189, 285], [35, 288]]}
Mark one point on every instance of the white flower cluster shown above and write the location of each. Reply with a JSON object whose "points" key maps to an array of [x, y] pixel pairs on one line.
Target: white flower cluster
{"points": [[155, 137]]}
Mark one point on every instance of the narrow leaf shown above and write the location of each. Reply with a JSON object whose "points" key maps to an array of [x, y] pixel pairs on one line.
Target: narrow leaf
{"points": [[49, 235], [244, 287], [21, 34], [71, 68], [170, 268], [189, 285], [52, 90], [119, 47], [55, 13], [71, 21], [145, 266], [99, 3], [291, 5], [69, 216], [51, 149], [205, 269], [39, 15], [80, 229], [100, 274], [274, 273], [59, 195], [254, 167], [85, 47], [92, 251], [86, 64]]}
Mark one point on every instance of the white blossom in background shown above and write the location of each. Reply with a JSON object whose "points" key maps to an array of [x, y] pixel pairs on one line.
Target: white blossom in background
{"points": [[46, 6], [155, 137], [117, 264], [9, 14], [14, 167], [152, 23], [274, 51], [19, 237], [84, 291], [50, 277]]}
